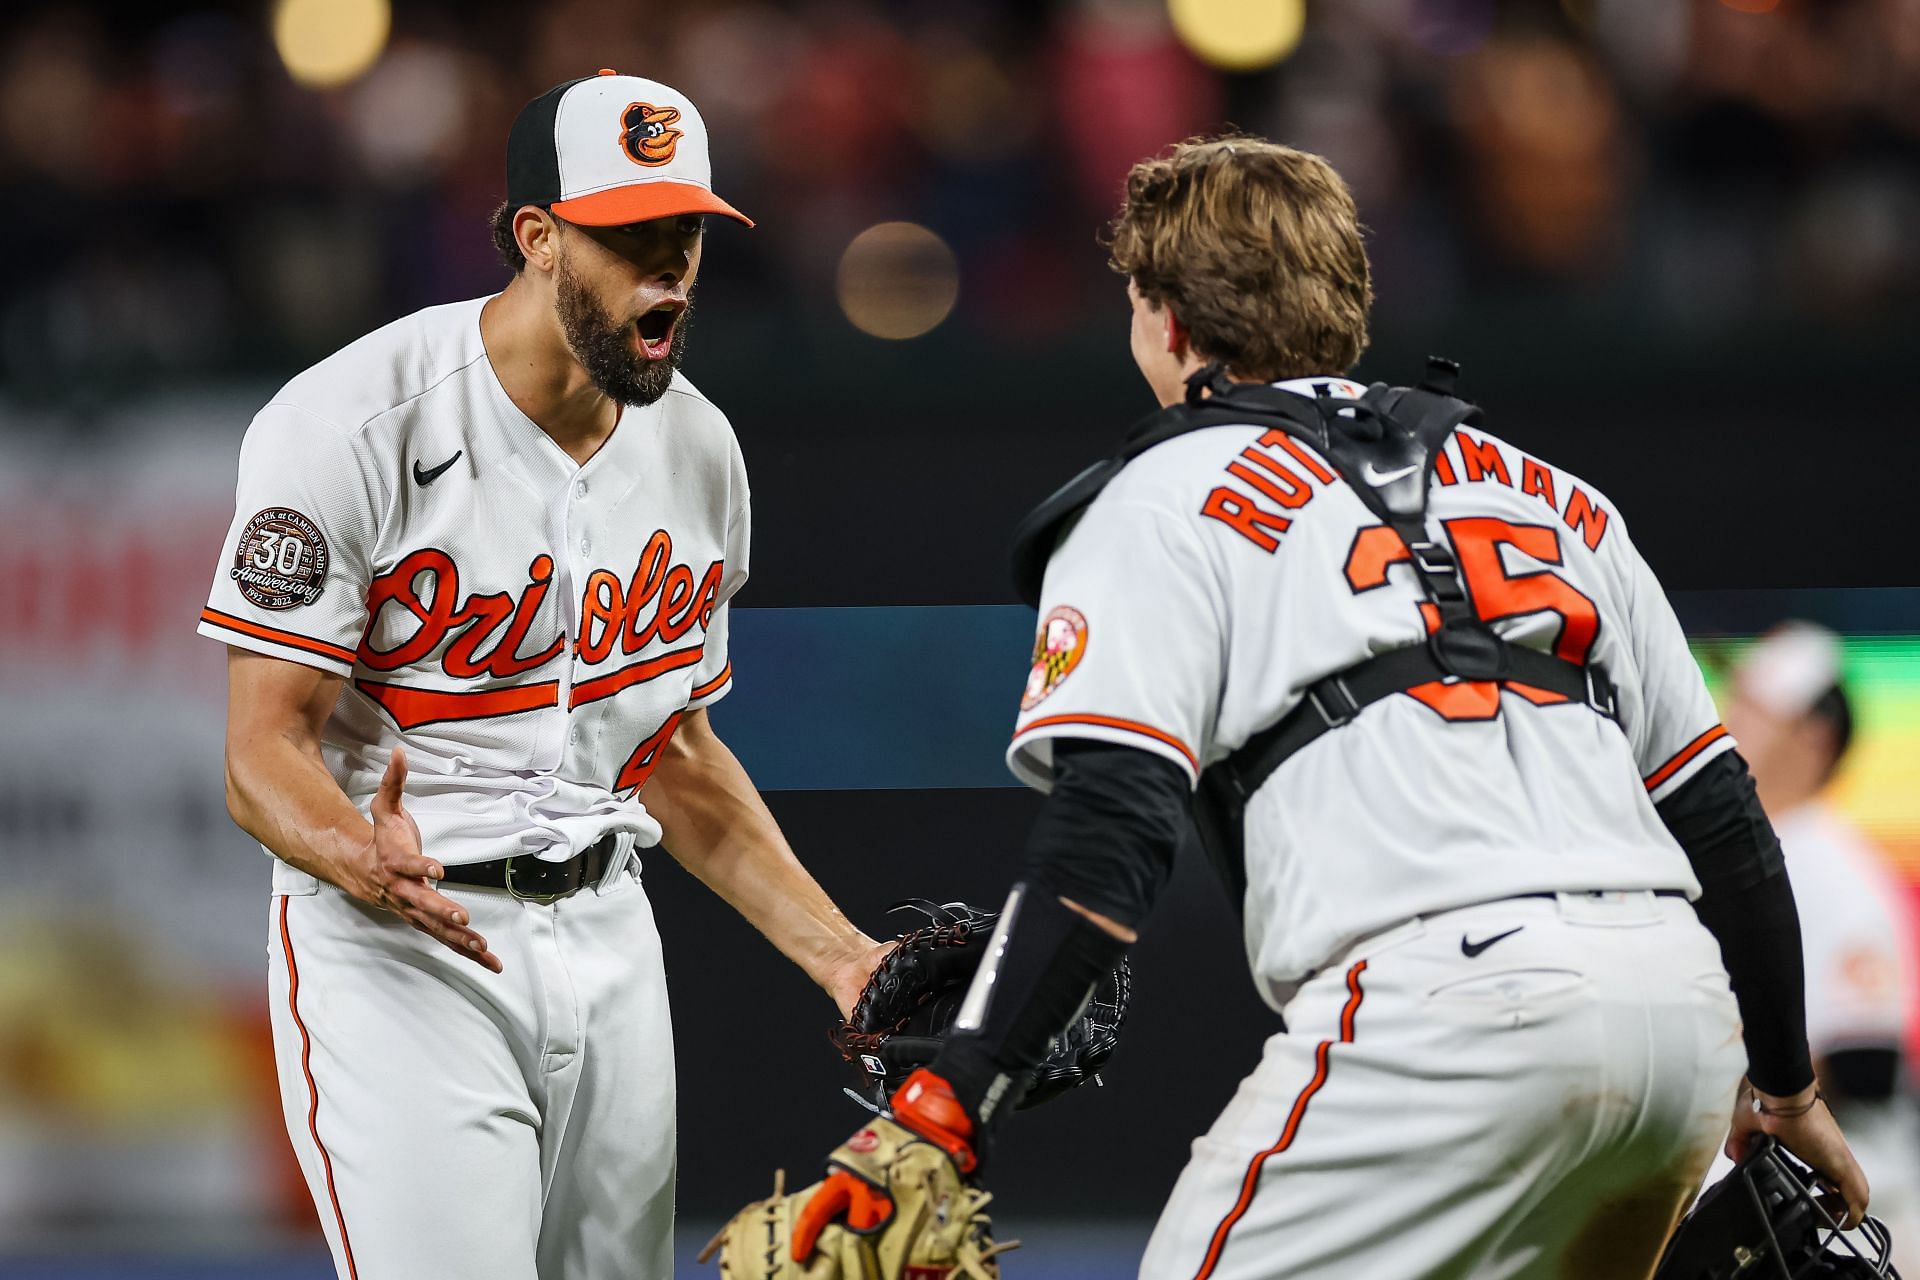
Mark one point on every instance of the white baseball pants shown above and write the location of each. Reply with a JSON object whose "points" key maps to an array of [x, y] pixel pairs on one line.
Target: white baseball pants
{"points": [[453, 1122], [1441, 1107]]}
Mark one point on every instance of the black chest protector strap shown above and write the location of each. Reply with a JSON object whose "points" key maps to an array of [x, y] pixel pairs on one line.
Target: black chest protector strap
{"points": [[1384, 446]]}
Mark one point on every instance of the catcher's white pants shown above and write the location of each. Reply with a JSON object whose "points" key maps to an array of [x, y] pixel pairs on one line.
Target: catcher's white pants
{"points": [[453, 1122], [1541, 1107]]}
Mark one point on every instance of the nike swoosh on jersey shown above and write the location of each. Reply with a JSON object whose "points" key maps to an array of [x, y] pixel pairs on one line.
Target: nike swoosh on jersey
{"points": [[1472, 949], [425, 478], [1377, 478]]}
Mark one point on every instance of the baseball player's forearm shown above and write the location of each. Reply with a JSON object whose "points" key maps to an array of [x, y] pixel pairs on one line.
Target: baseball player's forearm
{"points": [[280, 793], [278, 788], [1043, 963], [1747, 904], [715, 825], [1758, 929]]}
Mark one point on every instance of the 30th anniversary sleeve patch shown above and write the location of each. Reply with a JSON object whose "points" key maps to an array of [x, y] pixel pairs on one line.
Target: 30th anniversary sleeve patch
{"points": [[281, 562], [1057, 650]]}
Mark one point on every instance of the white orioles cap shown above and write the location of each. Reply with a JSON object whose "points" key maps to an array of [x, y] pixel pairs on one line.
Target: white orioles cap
{"points": [[609, 150]]}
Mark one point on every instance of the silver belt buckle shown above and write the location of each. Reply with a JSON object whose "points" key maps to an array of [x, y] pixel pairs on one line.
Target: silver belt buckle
{"points": [[514, 891]]}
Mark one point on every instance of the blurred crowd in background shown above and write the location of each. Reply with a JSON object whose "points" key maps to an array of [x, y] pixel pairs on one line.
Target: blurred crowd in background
{"points": [[185, 205]]}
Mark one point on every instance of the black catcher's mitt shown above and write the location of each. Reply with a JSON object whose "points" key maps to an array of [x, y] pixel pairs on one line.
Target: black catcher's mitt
{"points": [[915, 994]]}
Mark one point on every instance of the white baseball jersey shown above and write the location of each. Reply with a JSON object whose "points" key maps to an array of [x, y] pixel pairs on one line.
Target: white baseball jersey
{"points": [[530, 629], [1859, 961], [1226, 570], [1859, 971]]}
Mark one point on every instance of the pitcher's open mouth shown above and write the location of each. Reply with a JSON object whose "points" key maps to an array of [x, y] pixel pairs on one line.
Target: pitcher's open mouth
{"points": [[655, 331]]}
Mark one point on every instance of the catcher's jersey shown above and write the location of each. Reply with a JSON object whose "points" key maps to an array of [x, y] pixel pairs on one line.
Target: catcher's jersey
{"points": [[530, 629], [1224, 571]]}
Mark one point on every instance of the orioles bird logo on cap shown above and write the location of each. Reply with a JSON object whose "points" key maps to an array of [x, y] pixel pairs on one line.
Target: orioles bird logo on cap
{"points": [[647, 134]]}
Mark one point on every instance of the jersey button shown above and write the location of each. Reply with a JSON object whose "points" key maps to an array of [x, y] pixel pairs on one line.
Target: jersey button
{"points": [[580, 490], [585, 546]]}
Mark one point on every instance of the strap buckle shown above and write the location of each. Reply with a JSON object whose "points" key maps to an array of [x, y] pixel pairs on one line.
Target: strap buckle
{"points": [[1601, 695], [1340, 715], [1439, 572], [1434, 559]]}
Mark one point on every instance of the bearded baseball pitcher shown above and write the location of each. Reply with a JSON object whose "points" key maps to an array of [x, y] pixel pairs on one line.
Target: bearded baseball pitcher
{"points": [[475, 596]]}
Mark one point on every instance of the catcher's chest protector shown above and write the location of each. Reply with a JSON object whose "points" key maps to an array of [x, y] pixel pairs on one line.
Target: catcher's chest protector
{"points": [[1384, 446]]}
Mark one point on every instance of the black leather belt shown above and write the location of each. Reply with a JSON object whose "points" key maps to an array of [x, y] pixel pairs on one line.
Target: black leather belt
{"points": [[537, 879], [1658, 893]]}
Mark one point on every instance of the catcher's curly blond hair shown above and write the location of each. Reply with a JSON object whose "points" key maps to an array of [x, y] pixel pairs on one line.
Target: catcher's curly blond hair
{"points": [[1256, 247]]}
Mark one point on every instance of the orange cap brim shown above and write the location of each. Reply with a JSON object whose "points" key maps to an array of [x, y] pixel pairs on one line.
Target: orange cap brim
{"points": [[642, 202]]}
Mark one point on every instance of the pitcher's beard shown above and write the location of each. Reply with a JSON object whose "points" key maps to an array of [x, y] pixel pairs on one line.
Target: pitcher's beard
{"points": [[604, 347]]}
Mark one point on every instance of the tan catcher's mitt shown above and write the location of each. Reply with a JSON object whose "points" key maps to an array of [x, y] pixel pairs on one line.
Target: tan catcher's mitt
{"points": [[929, 1223]]}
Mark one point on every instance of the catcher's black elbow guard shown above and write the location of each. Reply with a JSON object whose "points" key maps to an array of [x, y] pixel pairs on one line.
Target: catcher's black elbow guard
{"points": [[1040, 969], [1715, 816], [1107, 835]]}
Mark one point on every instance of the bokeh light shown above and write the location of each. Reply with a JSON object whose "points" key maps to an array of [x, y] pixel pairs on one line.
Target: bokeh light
{"points": [[1239, 35], [327, 43], [898, 280], [408, 112]]}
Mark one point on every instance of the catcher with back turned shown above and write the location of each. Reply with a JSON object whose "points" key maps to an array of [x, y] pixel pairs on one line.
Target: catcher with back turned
{"points": [[1501, 869]]}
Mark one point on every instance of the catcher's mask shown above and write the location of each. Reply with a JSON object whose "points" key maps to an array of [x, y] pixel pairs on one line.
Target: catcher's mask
{"points": [[1763, 1221]]}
